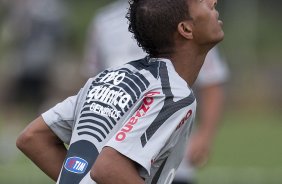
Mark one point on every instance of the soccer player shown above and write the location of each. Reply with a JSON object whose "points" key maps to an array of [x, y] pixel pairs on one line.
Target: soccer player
{"points": [[110, 44], [130, 123]]}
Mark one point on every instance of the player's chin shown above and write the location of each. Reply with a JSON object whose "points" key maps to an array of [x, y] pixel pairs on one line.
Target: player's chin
{"points": [[215, 40], [219, 37]]}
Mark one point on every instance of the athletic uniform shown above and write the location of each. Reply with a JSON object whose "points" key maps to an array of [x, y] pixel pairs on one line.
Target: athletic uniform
{"points": [[109, 40], [143, 109]]}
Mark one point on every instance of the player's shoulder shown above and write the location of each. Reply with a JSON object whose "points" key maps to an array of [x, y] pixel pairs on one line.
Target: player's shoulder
{"points": [[162, 74]]}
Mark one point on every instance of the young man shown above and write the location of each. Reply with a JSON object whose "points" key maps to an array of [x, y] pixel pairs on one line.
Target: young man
{"points": [[110, 44], [129, 124]]}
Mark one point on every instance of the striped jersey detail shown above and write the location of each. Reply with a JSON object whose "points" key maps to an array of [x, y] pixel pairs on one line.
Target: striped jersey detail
{"points": [[109, 97]]}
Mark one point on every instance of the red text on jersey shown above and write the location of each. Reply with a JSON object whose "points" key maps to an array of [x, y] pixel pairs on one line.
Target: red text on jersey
{"points": [[147, 101], [187, 116]]}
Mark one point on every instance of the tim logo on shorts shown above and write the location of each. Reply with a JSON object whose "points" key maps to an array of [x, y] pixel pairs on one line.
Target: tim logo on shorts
{"points": [[76, 165]]}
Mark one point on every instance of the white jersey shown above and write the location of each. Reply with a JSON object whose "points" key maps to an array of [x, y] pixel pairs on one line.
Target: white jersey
{"points": [[143, 109], [110, 44]]}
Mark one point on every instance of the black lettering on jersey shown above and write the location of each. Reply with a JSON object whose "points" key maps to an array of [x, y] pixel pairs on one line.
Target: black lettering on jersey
{"points": [[169, 108]]}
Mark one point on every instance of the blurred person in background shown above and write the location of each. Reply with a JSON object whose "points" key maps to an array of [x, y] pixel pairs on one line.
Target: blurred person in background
{"points": [[33, 31], [109, 44]]}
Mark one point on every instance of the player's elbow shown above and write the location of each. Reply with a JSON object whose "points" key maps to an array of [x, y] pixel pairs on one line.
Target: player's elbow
{"points": [[25, 140]]}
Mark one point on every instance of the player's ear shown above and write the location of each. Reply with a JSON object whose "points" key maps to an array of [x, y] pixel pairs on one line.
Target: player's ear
{"points": [[185, 29]]}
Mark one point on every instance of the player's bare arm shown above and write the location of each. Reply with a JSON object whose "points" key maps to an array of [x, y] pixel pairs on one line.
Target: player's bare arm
{"points": [[43, 147], [113, 167]]}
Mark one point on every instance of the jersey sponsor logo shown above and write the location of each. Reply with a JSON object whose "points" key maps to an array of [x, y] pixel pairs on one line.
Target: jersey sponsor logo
{"points": [[76, 165], [105, 111], [109, 94], [147, 101], [187, 116], [114, 77]]}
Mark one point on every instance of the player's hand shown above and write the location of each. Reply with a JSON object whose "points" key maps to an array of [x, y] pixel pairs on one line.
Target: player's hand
{"points": [[199, 149]]}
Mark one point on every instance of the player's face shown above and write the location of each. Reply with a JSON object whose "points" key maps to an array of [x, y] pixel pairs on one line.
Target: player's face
{"points": [[207, 29]]}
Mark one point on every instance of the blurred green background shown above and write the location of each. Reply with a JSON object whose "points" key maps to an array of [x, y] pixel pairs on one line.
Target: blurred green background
{"points": [[247, 149]]}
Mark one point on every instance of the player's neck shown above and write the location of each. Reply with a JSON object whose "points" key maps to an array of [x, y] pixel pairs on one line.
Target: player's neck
{"points": [[188, 63]]}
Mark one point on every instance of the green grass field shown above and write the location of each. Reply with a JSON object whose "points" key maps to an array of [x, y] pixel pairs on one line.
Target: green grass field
{"points": [[247, 150]]}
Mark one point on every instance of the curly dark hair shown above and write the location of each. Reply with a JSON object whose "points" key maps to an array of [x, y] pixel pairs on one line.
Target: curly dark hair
{"points": [[154, 22]]}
